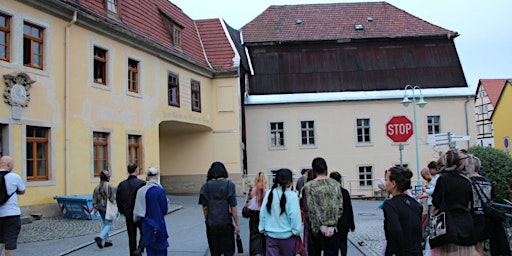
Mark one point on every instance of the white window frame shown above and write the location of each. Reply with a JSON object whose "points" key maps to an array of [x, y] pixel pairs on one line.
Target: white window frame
{"points": [[307, 129], [433, 125], [365, 181], [362, 128], [277, 131]]}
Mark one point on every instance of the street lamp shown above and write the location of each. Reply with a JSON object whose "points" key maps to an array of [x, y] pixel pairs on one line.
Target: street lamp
{"points": [[421, 102]]}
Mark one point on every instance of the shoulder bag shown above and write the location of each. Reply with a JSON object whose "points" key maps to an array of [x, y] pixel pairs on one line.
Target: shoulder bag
{"points": [[492, 213], [112, 213], [441, 229]]}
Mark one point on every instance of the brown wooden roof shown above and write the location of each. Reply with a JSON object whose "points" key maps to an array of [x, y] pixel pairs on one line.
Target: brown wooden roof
{"points": [[278, 23]]}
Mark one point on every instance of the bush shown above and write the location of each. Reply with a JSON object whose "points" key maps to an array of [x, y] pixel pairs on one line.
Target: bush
{"points": [[497, 167]]}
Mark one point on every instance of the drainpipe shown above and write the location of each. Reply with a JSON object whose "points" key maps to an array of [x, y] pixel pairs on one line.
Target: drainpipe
{"points": [[66, 103], [467, 118]]}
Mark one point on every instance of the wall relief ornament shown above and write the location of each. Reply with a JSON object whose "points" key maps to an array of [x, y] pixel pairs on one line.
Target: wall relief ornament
{"points": [[17, 87]]}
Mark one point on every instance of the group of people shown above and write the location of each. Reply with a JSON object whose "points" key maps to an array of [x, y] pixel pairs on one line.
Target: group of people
{"points": [[451, 220], [280, 222], [144, 205]]}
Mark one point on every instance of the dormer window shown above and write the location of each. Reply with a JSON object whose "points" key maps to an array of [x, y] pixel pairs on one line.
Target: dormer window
{"points": [[174, 30], [113, 6]]}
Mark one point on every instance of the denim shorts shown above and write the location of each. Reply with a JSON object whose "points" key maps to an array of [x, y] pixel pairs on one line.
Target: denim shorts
{"points": [[9, 230]]}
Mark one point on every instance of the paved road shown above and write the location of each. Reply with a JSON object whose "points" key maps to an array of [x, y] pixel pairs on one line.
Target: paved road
{"points": [[186, 230]]}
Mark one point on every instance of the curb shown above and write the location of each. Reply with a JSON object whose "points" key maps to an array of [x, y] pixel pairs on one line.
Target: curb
{"points": [[81, 246]]}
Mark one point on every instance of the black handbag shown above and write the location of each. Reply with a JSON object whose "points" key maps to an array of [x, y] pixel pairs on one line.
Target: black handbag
{"points": [[239, 245], [490, 212]]}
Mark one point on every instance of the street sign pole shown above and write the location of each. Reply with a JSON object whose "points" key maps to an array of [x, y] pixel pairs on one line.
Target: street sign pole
{"points": [[401, 148]]}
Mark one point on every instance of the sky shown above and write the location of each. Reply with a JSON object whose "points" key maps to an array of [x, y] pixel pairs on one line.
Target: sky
{"points": [[484, 43]]}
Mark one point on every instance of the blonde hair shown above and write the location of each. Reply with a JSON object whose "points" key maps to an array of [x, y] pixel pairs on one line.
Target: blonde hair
{"points": [[260, 186]]}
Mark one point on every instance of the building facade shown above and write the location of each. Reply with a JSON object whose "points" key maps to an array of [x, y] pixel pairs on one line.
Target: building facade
{"points": [[329, 77], [501, 118], [91, 85], [487, 95]]}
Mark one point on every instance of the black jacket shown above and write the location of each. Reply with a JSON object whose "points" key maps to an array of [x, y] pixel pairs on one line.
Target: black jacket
{"points": [[126, 193]]}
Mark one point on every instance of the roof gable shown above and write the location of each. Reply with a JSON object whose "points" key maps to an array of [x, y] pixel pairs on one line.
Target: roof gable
{"points": [[493, 88], [317, 22]]}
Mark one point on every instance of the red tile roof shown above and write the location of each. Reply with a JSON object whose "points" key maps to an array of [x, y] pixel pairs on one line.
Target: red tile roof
{"points": [[144, 18], [493, 88], [278, 23], [216, 43]]}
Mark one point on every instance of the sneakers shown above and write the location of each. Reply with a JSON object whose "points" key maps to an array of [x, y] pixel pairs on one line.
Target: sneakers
{"points": [[136, 253], [107, 244], [98, 242]]}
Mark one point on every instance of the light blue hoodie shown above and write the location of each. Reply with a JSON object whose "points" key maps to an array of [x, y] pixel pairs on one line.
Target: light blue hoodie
{"points": [[278, 225]]}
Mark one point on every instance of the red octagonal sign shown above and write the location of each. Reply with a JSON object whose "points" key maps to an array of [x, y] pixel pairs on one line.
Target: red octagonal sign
{"points": [[399, 129]]}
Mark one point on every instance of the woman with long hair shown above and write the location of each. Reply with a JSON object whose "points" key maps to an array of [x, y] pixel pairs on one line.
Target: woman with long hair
{"points": [[103, 192], [280, 220], [257, 194]]}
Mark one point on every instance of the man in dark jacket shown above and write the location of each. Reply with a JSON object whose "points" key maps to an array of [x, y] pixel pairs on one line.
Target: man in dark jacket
{"points": [[125, 198]]}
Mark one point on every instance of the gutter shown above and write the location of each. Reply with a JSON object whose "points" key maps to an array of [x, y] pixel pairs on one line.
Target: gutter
{"points": [[66, 102]]}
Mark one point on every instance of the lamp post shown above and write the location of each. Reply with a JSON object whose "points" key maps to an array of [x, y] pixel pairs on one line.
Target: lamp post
{"points": [[421, 102]]}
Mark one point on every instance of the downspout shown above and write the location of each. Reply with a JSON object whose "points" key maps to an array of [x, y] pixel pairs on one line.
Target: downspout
{"points": [[467, 118], [66, 103]]}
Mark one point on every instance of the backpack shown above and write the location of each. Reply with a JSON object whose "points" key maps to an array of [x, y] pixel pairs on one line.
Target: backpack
{"points": [[3, 189], [219, 215]]}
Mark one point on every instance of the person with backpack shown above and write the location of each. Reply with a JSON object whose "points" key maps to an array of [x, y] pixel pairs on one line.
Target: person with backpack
{"points": [[218, 198], [11, 186]]}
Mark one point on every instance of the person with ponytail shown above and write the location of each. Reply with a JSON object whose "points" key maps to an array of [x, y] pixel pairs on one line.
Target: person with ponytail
{"points": [[402, 215], [257, 194], [280, 219]]}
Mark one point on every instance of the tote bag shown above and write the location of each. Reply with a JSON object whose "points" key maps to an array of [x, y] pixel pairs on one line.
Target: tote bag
{"points": [[112, 213]]}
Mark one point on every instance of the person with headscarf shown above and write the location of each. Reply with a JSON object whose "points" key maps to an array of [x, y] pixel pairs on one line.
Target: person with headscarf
{"points": [[103, 192], [280, 220], [218, 198], [151, 205]]}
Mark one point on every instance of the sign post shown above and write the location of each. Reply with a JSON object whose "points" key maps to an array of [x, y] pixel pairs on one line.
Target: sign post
{"points": [[399, 129]]}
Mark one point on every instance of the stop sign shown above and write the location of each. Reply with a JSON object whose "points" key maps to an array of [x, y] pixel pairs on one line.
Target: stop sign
{"points": [[399, 129]]}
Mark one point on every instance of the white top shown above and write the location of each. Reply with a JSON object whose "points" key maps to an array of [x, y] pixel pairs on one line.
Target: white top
{"points": [[13, 182], [253, 203], [431, 187]]}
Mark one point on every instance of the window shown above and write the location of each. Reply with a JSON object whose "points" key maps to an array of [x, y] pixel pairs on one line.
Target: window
{"points": [[32, 46], [363, 130], [135, 150], [5, 34], [133, 76], [37, 153], [365, 176], [100, 66], [434, 125], [276, 134], [195, 91], [113, 6], [307, 130], [100, 152], [173, 87], [177, 36]]}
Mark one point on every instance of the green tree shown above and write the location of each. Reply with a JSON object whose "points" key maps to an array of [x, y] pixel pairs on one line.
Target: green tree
{"points": [[497, 167]]}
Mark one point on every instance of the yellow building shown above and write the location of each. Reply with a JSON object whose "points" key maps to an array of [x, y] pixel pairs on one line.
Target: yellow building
{"points": [[95, 85], [501, 119]]}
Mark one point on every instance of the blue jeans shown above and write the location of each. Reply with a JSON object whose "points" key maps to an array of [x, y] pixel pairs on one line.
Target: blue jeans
{"points": [[107, 225]]}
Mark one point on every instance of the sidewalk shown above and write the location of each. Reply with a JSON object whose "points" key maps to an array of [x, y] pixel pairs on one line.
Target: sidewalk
{"points": [[185, 224]]}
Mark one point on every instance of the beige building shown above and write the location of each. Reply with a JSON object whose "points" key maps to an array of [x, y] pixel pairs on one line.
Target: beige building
{"points": [[327, 86], [331, 126], [89, 86]]}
